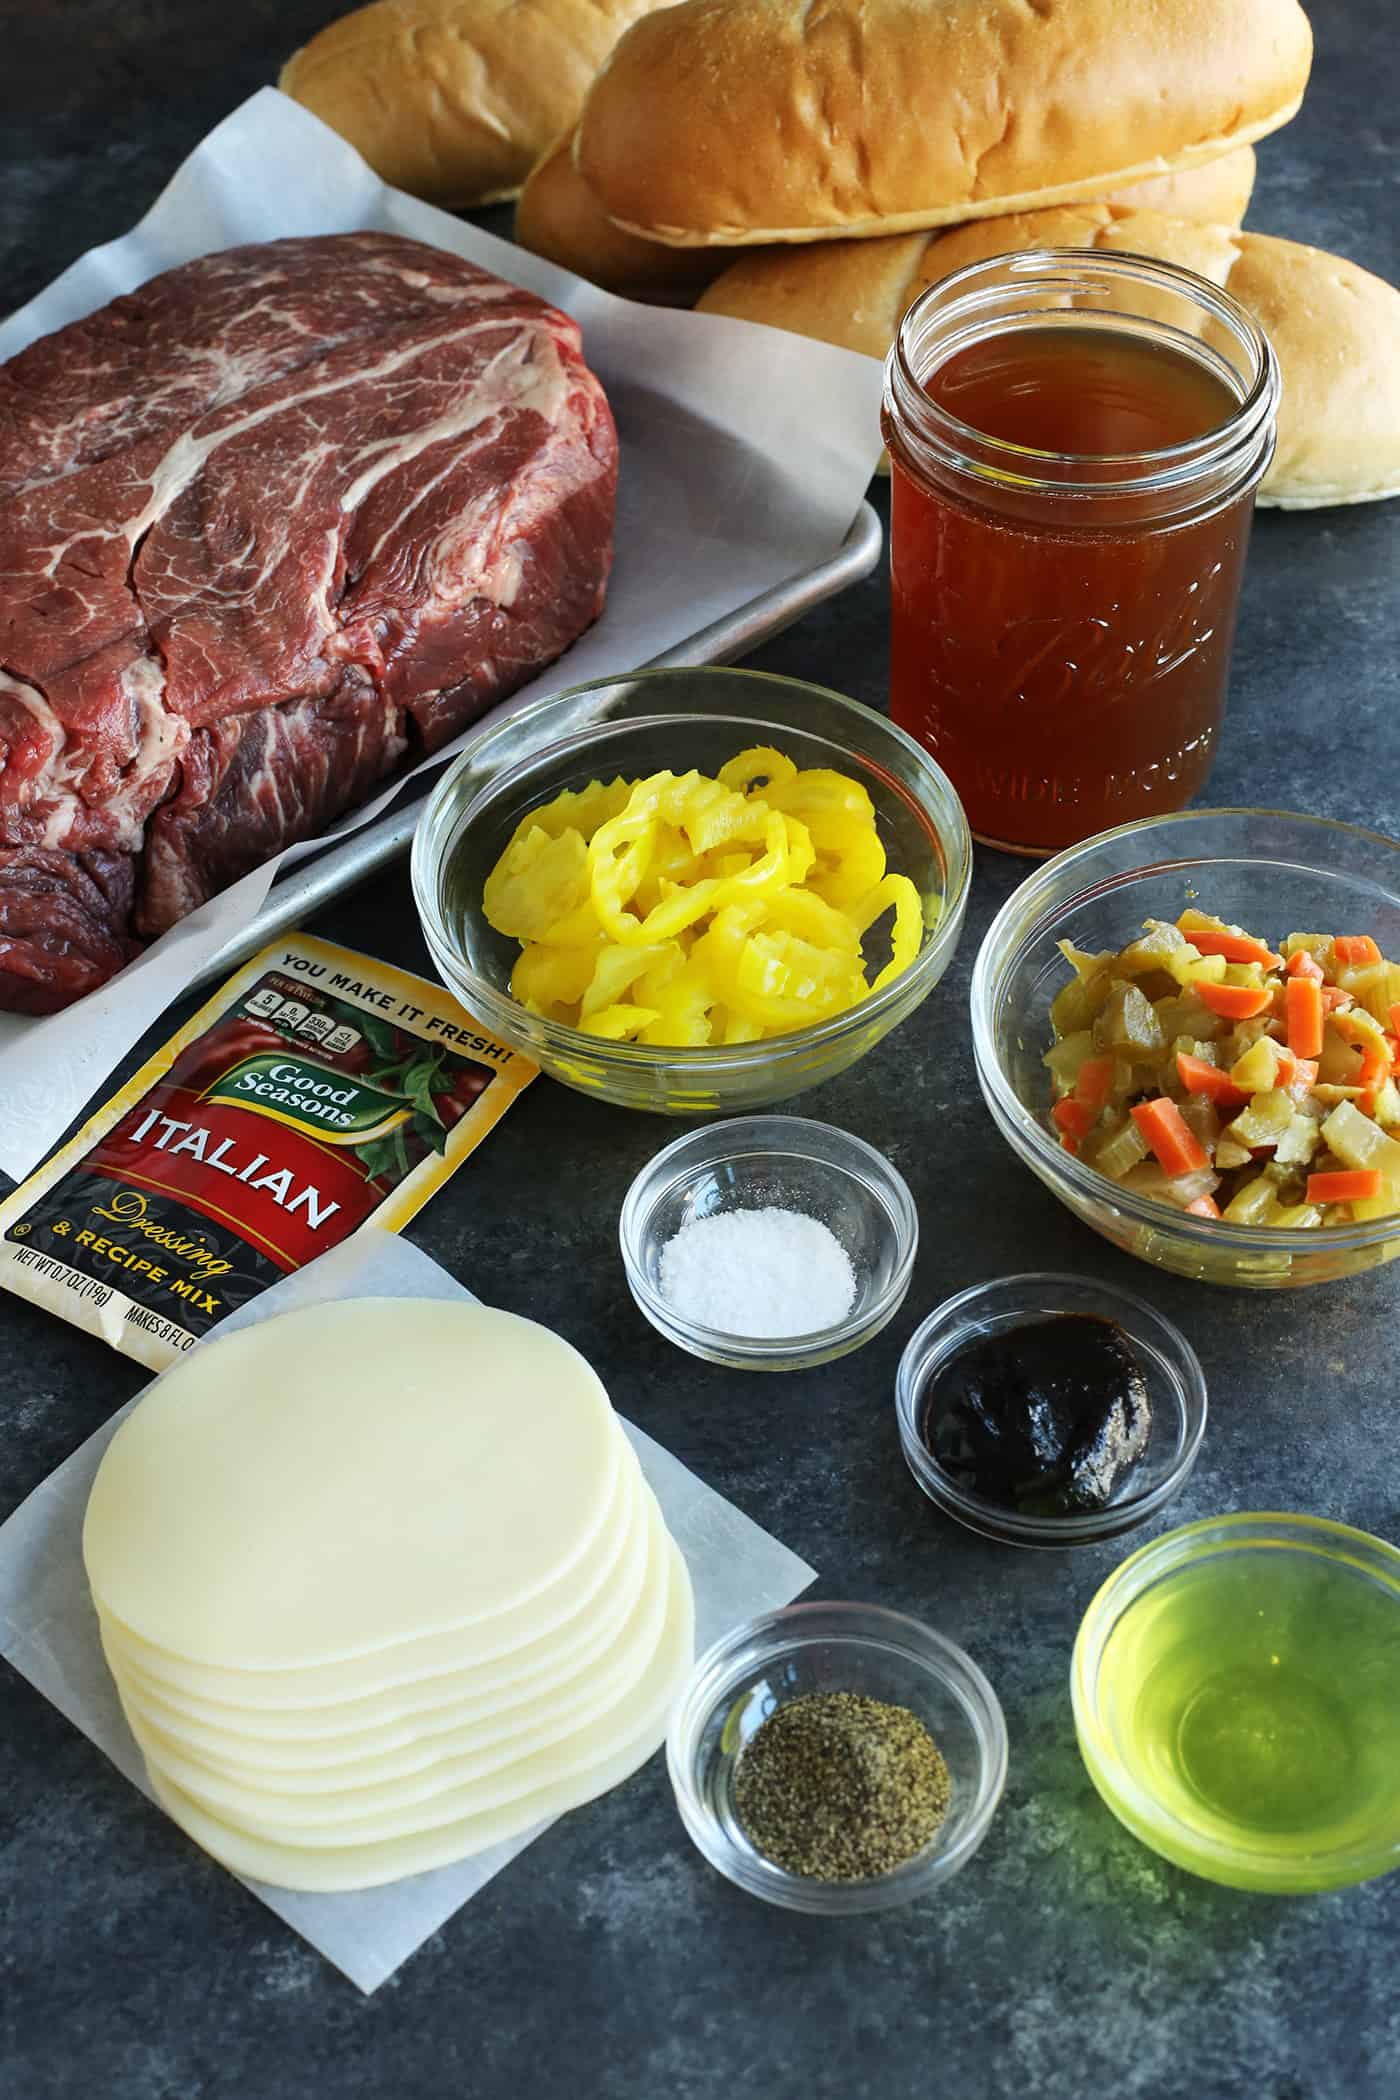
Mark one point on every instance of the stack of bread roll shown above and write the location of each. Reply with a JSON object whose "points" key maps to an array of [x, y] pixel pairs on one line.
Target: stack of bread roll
{"points": [[816, 164]]}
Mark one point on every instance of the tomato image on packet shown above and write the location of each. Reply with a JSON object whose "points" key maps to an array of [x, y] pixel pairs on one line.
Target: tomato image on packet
{"points": [[316, 1091]]}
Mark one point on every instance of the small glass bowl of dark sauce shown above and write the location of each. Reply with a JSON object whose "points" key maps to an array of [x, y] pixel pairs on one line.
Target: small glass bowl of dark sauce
{"points": [[1050, 1410]]}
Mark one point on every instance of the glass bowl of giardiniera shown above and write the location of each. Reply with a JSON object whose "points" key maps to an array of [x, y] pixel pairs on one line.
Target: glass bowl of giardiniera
{"points": [[1264, 880], [798, 915], [906, 1721]]}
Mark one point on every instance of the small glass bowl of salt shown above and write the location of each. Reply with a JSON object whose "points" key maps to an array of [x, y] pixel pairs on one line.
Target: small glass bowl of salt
{"points": [[769, 1243]]}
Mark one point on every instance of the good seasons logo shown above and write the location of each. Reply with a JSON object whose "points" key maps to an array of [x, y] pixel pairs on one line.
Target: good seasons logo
{"points": [[330, 1106]]}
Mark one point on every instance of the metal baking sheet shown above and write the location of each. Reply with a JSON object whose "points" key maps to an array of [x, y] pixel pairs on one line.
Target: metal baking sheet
{"points": [[313, 883]]}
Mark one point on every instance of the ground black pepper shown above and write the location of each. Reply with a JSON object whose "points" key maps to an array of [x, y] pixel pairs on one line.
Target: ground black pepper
{"points": [[839, 1787]]}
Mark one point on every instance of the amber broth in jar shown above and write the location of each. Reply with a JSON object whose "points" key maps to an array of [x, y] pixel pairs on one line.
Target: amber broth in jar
{"points": [[1067, 671]]}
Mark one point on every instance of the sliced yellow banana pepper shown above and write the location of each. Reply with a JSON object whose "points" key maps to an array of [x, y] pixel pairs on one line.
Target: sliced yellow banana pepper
{"points": [[615, 972], [759, 766], [615, 1023], [537, 880], [548, 978], [907, 933]]}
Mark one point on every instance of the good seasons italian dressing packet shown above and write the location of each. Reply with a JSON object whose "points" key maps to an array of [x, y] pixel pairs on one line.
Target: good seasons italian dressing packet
{"points": [[315, 1091]]}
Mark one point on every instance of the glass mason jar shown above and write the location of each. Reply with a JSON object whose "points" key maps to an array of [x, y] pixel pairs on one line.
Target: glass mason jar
{"points": [[1061, 620]]}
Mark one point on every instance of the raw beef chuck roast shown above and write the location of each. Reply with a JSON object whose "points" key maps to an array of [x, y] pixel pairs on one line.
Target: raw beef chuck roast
{"points": [[267, 525]]}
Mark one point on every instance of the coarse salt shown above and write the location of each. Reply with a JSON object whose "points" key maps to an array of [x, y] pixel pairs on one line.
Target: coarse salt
{"points": [[761, 1273]]}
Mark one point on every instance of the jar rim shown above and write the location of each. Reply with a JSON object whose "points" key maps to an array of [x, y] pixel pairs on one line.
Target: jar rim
{"points": [[977, 293]]}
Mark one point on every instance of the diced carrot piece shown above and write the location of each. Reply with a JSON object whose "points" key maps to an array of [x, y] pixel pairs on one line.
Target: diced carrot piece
{"points": [[1203, 1207], [1072, 1119], [1375, 1070], [1094, 1082], [1355, 948], [1178, 1149], [1351, 1185], [1303, 963], [1235, 947], [1200, 1078], [1335, 1000], [1233, 1002], [1305, 1017]]}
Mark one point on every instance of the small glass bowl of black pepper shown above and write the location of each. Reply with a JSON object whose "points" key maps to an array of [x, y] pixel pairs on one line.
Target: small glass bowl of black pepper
{"points": [[1046, 1410], [862, 1748], [826, 1257]]}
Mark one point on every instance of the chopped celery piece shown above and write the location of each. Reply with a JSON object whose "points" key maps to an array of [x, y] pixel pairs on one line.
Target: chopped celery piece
{"points": [[1257, 1070], [1376, 986], [1243, 1036], [1250, 1204], [1319, 947], [1294, 1217], [1176, 1189], [1187, 966], [1127, 1022], [1264, 1121], [1202, 1118], [1064, 1057], [1119, 1154], [1245, 974], [1188, 1016], [1085, 964], [1298, 1143], [1077, 1003], [1382, 1206], [1359, 1142], [1152, 950], [1387, 1109], [1229, 1154], [1340, 1062]]}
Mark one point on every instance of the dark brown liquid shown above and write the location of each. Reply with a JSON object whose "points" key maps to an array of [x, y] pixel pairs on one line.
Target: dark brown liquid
{"points": [[1067, 669]]}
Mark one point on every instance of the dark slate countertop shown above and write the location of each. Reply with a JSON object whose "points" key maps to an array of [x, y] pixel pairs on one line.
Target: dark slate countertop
{"points": [[609, 1962]]}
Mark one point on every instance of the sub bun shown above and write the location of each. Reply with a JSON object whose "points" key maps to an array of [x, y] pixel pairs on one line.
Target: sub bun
{"points": [[559, 217], [835, 290], [742, 122], [1335, 328], [1336, 331], [1218, 191], [454, 100]]}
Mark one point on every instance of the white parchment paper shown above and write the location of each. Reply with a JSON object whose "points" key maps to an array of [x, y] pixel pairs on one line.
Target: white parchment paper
{"points": [[48, 1629], [745, 454]]}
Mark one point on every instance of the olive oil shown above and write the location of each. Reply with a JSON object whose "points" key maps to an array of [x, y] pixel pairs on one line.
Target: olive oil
{"points": [[1256, 1698]]}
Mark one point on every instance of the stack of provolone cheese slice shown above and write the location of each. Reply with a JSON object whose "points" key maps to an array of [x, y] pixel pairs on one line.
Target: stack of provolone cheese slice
{"points": [[381, 1584]]}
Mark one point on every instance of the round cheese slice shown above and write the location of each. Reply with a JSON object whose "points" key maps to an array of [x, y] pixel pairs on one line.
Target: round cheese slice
{"points": [[349, 1477], [401, 1713], [366, 1690], [418, 1763], [307, 1825]]}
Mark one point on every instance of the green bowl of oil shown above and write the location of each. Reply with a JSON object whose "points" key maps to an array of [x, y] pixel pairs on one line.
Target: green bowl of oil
{"points": [[1236, 1691]]}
